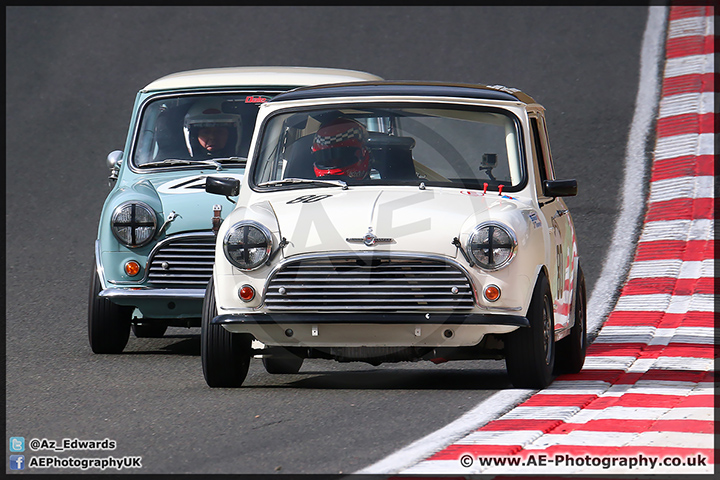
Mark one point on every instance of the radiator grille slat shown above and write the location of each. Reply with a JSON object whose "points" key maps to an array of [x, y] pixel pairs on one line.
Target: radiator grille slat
{"points": [[183, 262], [379, 284]]}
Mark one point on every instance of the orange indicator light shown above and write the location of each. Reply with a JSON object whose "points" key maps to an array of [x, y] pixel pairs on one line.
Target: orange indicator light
{"points": [[492, 293], [132, 268], [246, 293]]}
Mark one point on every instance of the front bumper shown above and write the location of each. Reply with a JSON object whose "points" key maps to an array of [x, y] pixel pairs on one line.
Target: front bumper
{"points": [[370, 329], [159, 303], [120, 295], [372, 318]]}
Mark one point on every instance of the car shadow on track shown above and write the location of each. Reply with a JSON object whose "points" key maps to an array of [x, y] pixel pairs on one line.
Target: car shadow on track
{"points": [[327, 374], [175, 344], [469, 375]]}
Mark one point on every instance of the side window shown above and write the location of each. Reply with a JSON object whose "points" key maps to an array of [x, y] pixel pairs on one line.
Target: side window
{"points": [[542, 149], [548, 154], [539, 153], [540, 133]]}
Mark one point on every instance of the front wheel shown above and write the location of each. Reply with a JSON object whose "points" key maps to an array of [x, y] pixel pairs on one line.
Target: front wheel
{"points": [[530, 352], [571, 350], [108, 324], [225, 355]]}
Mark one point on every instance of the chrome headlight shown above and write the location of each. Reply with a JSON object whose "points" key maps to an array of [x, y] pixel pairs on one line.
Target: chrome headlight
{"points": [[247, 245], [492, 245], [133, 224]]}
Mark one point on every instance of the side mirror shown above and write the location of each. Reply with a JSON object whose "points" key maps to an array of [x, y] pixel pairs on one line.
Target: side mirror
{"points": [[229, 187], [560, 188], [114, 160]]}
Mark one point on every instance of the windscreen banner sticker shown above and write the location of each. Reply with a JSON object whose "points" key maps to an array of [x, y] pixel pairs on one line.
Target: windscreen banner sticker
{"points": [[256, 99]]}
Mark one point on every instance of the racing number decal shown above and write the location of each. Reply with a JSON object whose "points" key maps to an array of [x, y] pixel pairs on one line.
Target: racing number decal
{"points": [[308, 199]]}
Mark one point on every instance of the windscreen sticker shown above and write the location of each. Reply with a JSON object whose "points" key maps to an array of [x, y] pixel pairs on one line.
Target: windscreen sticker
{"points": [[256, 99]]}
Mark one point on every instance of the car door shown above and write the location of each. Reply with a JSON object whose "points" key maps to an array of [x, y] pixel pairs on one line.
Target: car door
{"points": [[557, 217]]}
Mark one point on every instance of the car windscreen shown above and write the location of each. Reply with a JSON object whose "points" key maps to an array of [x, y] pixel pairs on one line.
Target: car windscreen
{"points": [[441, 145], [184, 129]]}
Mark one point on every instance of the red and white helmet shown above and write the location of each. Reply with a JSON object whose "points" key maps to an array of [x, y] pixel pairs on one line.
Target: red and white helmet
{"points": [[339, 149]]}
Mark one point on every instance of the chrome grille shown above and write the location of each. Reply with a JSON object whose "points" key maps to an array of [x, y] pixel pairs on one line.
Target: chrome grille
{"points": [[389, 284], [182, 262]]}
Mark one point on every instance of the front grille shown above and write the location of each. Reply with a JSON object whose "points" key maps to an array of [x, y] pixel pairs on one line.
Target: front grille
{"points": [[388, 284], [182, 262]]}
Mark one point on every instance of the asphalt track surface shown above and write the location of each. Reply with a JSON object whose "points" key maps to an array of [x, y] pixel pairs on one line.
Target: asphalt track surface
{"points": [[72, 73]]}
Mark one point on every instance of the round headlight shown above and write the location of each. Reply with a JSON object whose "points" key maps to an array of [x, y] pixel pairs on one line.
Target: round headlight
{"points": [[492, 245], [133, 224], [247, 245]]}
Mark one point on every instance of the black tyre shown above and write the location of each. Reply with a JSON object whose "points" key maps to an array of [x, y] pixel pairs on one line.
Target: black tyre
{"points": [[282, 363], [149, 330], [225, 355], [108, 324], [530, 352], [571, 349]]}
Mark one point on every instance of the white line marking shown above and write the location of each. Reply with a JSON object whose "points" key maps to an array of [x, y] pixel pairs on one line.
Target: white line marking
{"points": [[666, 303], [682, 187], [541, 413], [575, 387], [691, 27], [508, 437], [683, 103], [625, 439], [655, 336], [605, 362], [684, 145], [684, 363], [690, 65], [656, 387], [673, 269], [644, 413], [682, 230], [626, 335]]}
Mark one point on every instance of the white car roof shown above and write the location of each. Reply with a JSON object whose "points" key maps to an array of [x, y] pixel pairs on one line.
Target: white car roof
{"points": [[257, 76]]}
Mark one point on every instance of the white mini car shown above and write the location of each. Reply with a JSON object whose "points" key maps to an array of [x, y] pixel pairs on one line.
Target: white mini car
{"points": [[387, 222]]}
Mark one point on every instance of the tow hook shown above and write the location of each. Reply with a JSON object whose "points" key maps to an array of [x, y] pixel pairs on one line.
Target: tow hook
{"points": [[216, 220]]}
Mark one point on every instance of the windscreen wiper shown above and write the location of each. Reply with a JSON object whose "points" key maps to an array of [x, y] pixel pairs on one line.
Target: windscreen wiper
{"points": [[177, 161], [292, 180], [241, 160]]}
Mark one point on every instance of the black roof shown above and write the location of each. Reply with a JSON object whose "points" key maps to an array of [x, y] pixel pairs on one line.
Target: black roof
{"points": [[407, 88]]}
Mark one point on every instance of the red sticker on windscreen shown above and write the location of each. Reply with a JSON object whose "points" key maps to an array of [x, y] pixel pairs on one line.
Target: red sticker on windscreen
{"points": [[255, 99]]}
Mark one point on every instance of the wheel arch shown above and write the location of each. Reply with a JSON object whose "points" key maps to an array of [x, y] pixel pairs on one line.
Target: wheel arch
{"points": [[540, 270]]}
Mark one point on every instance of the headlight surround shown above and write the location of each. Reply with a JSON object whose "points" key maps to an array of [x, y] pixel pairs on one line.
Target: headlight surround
{"points": [[492, 245], [133, 223], [247, 245]]}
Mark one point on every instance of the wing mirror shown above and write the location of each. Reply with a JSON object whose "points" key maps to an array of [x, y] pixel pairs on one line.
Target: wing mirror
{"points": [[114, 160], [229, 187], [560, 188]]}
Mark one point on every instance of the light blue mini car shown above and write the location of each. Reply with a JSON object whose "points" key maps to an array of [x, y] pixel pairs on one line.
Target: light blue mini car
{"points": [[154, 251]]}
